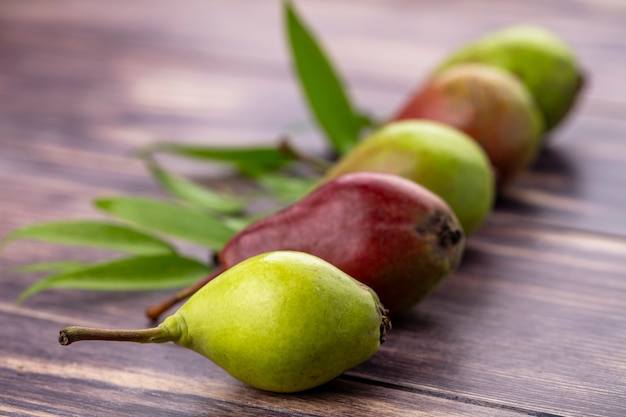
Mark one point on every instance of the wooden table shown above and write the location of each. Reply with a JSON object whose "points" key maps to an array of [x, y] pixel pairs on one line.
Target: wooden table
{"points": [[534, 321]]}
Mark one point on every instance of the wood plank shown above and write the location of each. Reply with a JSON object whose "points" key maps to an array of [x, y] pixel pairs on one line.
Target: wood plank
{"points": [[125, 379]]}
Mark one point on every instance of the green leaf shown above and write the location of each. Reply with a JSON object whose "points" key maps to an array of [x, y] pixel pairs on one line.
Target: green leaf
{"points": [[55, 266], [255, 158], [239, 223], [287, 189], [187, 190], [92, 233], [188, 223], [136, 273], [324, 91]]}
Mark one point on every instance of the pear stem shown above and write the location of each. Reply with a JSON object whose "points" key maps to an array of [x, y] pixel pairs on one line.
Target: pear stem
{"points": [[155, 311], [287, 148], [77, 333]]}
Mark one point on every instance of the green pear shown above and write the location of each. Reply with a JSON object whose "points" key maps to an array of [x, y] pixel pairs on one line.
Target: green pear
{"points": [[440, 158], [544, 63], [489, 104], [281, 321]]}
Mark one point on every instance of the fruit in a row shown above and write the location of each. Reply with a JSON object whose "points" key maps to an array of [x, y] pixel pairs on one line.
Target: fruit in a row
{"points": [[494, 103], [301, 319]]}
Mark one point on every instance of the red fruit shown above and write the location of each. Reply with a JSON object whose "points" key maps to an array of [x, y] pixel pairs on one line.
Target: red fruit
{"points": [[389, 233]]}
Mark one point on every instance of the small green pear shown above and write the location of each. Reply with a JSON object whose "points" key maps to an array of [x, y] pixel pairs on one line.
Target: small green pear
{"points": [[281, 321], [544, 63], [440, 158]]}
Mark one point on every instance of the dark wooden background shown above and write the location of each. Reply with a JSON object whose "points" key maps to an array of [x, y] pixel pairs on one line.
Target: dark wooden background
{"points": [[533, 323]]}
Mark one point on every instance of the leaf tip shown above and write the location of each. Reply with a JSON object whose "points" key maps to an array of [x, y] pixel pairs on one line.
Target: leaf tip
{"points": [[23, 295], [102, 203]]}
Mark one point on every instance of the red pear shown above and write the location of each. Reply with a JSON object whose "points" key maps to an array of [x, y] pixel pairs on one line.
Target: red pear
{"points": [[388, 232]]}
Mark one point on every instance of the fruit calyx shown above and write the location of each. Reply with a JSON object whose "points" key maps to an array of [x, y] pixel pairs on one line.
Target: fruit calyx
{"points": [[385, 323], [447, 232], [449, 237]]}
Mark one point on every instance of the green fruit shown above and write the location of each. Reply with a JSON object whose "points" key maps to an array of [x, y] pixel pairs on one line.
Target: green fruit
{"points": [[490, 105], [544, 63], [443, 159], [280, 321]]}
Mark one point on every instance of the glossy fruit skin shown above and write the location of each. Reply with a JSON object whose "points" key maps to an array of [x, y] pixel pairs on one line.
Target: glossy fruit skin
{"points": [[491, 106], [544, 63], [282, 321], [387, 232], [439, 157]]}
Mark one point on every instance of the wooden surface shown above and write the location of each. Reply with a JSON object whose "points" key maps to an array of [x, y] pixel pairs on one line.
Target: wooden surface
{"points": [[534, 321]]}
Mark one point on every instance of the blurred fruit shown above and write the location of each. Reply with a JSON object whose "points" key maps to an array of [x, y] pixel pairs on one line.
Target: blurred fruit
{"points": [[544, 63]]}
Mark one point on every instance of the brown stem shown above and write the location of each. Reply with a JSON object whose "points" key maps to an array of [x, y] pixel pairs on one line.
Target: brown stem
{"points": [[77, 333], [155, 311], [287, 148]]}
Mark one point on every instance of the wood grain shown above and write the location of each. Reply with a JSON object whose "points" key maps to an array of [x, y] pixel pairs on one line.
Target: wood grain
{"points": [[533, 321]]}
